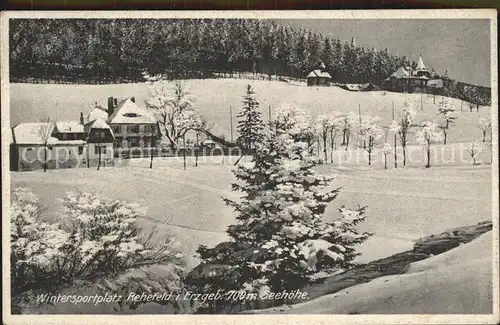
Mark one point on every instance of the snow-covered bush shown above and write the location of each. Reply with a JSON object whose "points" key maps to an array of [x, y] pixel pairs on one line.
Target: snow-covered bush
{"points": [[294, 121], [98, 241], [280, 239]]}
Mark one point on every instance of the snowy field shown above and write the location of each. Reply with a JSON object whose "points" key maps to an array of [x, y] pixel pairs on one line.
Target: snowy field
{"points": [[213, 97], [403, 204], [458, 281]]}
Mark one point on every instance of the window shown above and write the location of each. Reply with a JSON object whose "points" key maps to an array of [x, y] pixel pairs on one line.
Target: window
{"points": [[132, 128], [130, 115], [69, 152], [29, 149], [80, 151], [116, 129], [133, 142], [103, 150]]}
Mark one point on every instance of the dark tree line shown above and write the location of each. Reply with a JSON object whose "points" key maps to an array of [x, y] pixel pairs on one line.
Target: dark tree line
{"points": [[109, 50], [120, 50]]}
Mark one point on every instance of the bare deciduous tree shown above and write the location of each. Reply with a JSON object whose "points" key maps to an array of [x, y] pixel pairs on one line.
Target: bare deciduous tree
{"points": [[173, 107]]}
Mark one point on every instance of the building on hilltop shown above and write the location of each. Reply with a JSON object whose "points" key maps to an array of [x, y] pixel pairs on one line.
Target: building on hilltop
{"points": [[319, 77], [408, 79]]}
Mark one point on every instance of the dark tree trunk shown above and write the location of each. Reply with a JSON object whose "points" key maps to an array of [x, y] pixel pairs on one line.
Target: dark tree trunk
{"points": [[152, 155], [184, 150], [99, 162], [324, 147], [395, 152], [45, 159], [404, 155], [428, 158]]}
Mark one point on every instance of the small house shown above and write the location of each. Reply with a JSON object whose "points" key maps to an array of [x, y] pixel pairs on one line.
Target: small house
{"points": [[409, 80], [319, 77], [133, 126], [100, 139], [60, 145]]}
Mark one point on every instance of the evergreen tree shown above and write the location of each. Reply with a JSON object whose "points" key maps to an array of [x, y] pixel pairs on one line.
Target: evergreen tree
{"points": [[280, 238], [250, 125]]}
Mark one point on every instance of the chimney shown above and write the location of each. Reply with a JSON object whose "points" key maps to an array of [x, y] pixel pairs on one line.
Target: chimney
{"points": [[132, 99], [111, 106], [82, 121]]}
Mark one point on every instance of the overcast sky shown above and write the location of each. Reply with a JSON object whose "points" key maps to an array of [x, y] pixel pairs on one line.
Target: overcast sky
{"points": [[458, 45]]}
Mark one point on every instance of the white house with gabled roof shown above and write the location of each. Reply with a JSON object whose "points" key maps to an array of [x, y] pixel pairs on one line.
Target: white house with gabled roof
{"points": [[133, 126]]}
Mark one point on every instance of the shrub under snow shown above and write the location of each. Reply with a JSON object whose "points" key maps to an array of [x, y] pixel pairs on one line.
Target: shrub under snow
{"points": [[98, 243]]}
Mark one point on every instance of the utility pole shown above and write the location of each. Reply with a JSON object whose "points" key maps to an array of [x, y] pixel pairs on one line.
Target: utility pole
{"points": [[270, 116], [231, 121], [395, 139], [359, 113]]}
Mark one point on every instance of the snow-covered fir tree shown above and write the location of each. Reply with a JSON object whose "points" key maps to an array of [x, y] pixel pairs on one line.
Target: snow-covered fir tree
{"points": [[280, 238], [250, 125]]}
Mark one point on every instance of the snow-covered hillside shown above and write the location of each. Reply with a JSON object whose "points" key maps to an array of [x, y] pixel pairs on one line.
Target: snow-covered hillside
{"points": [[458, 281], [214, 97]]}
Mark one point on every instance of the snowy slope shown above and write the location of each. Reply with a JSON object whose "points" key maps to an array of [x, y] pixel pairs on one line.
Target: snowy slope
{"points": [[458, 281], [213, 97]]}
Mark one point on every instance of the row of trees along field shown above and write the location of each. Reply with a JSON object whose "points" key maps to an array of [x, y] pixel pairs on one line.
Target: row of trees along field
{"points": [[118, 50]]}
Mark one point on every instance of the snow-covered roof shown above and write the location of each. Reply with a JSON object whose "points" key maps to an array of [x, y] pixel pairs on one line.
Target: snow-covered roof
{"points": [[129, 112], [97, 113], [352, 87], [9, 137], [435, 83], [29, 133], [401, 73], [420, 64], [318, 73], [69, 127], [98, 124]]}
